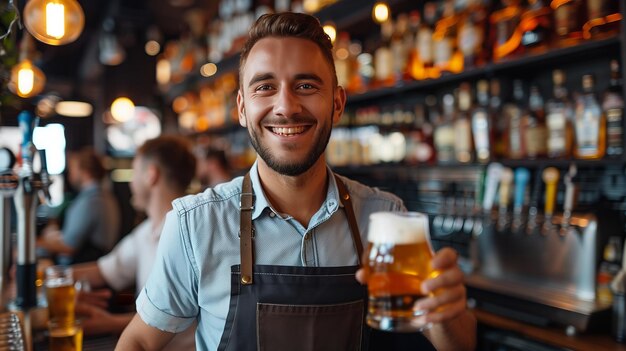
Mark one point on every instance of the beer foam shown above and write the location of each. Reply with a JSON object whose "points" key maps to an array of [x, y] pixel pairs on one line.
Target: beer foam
{"points": [[397, 228]]}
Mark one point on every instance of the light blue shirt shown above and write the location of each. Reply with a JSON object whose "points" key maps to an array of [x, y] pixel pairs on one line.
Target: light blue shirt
{"points": [[199, 244]]}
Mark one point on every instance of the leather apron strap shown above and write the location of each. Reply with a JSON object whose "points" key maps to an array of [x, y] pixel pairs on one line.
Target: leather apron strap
{"points": [[246, 229], [344, 195]]}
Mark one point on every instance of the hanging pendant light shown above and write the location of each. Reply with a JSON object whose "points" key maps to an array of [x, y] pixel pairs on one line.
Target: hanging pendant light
{"points": [[54, 22], [27, 80]]}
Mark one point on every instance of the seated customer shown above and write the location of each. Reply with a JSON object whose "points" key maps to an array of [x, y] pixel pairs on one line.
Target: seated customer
{"points": [[92, 221], [162, 171]]}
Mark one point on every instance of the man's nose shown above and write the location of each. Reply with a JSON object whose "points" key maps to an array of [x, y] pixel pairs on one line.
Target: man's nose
{"points": [[287, 103]]}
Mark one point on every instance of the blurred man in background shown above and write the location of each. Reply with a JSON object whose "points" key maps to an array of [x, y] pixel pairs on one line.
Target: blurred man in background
{"points": [[213, 168], [92, 221], [162, 170]]}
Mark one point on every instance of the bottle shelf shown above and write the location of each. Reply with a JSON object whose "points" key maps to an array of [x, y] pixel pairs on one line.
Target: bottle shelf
{"points": [[526, 63]]}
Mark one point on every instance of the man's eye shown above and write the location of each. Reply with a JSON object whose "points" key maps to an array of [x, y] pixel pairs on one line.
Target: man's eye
{"points": [[306, 86], [263, 87]]}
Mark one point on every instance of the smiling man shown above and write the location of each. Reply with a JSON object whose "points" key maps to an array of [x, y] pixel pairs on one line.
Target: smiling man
{"points": [[268, 260]]}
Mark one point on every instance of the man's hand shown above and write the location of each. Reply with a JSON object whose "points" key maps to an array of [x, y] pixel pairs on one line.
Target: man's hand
{"points": [[446, 293], [97, 321]]}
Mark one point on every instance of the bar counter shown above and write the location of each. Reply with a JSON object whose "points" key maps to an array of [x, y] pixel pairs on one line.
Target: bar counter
{"points": [[551, 335]]}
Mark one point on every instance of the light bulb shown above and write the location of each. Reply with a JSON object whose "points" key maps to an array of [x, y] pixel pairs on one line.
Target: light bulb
{"points": [[26, 79], [330, 30], [122, 109], [380, 13], [54, 22]]}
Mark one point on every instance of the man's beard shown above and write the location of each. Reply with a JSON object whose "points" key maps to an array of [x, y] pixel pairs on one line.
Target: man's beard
{"points": [[293, 168]]}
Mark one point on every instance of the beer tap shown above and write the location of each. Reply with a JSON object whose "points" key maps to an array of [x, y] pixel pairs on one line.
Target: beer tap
{"points": [[522, 176], [533, 208], [550, 176], [506, 178], [8, 185], [568, 203], [30, 184], [492, 179]]}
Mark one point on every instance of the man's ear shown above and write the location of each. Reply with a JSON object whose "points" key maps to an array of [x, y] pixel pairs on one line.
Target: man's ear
{"points": [[152, 174], [241, 109], [339, 103]]}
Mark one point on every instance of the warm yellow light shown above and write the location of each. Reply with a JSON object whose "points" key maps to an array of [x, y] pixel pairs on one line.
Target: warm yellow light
{"points": [[122, 109], [180, 104], [208, 69], [163, 71], [311, 6], [380, 13], [73, 109], [152, 47], [54, 22], [26, 79], [329, 29]]}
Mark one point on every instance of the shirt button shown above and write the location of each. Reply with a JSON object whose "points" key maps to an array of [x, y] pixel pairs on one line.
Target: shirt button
{"points": [[307, 236], [272, 214]]}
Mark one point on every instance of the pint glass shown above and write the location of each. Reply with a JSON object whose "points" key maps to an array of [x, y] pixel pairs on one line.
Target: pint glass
{"points": [[61, 294], [399, 260]]}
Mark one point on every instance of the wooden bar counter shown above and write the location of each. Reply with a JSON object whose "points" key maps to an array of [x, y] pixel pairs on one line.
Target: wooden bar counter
{"points": [[551, 335]]}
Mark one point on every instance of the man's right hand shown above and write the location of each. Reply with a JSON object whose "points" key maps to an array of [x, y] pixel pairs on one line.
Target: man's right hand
{"points": [[97, 321], [99, 298]]}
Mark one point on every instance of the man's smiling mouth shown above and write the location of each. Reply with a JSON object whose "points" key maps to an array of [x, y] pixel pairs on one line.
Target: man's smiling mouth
{"points": [[288, 131]]}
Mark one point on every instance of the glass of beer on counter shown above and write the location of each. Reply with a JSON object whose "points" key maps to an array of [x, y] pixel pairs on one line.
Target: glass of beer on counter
{"points": [[61, 294], [65, 337], [398, 260]]}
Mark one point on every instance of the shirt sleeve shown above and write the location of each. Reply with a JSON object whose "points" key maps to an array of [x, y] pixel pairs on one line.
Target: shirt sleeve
{"points": [[119, 267], [80, 221], [169, 300]]}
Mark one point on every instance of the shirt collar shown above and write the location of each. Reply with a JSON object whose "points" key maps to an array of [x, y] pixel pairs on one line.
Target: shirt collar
{"points": [[331, 203]]}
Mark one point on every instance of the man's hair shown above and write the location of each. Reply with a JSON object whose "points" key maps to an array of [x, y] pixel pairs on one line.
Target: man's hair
{"points": [[173, 157], [289, 24], [90, 162], [218, 155]]}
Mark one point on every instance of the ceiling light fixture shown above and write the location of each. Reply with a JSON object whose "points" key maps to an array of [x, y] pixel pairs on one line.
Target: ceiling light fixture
{"points": [[26, 79], [54, 22], [73, 109], [122, 109], [380, 12]]}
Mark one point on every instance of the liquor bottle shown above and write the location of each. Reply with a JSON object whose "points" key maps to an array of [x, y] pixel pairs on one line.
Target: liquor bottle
{"points": [[446, 55], [463, 126], [535, 133], [559, 118], [481, 124], [399, 50], [422, 66], [410, 43], [513, 114], [603, 19], [471, 34], [609, 268], [504, 25], [589, 124], [567, 21], [613, 107], [444, 131], [383, 59], [343, 62], [497, 120], [536, 27], [420, 139]]}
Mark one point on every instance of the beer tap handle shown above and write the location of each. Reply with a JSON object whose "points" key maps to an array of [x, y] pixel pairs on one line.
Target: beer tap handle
{"points": [[550, 176], [522, 176], [506, 178], [570, 194], [44, 176], [494, 172], [534, 203], [27, 122]]}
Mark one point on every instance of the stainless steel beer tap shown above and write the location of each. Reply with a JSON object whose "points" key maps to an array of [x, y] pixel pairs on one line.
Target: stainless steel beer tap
{"points": [[550, 176], [506, 179], [30, 185], [8, 185], [568, 203], [522, 176]]}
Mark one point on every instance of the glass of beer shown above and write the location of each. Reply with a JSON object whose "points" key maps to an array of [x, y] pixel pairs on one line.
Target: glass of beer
{"points": [[61, 294], [399, 260], [65, 337]]}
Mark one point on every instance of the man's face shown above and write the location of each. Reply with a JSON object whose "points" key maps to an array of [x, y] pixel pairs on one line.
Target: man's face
{"points": [[139, 185], [288, 103]]}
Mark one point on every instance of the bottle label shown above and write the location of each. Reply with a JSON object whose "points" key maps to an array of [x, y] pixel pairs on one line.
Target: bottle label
{"points": [[556, 133], [614, 131], [565, 17], [444, 143], [480, 128], [588, 133], [425, 45], [536, 141], [443, 52]]}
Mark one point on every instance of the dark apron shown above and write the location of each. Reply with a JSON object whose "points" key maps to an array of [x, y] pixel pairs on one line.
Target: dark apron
{"points": [[276, 308]]}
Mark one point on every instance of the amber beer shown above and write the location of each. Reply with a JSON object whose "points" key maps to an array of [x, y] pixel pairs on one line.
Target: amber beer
{"points": [[61, 294], [65, 337], [399, 260]]}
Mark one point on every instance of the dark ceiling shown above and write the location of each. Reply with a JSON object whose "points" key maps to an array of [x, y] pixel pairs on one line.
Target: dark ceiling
{"points": [[74, 71]]}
